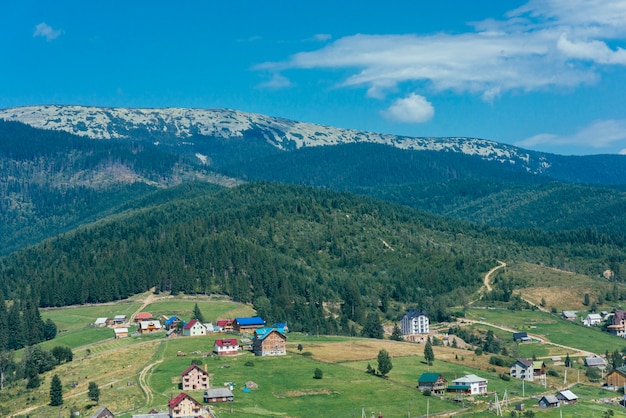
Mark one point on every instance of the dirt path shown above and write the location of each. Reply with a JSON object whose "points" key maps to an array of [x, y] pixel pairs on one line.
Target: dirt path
{"points": [[487, 278], [143, 379]]}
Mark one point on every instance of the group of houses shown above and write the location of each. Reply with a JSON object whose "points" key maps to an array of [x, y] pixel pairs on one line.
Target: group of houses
{"points": [[266, 341], [563, 397]]}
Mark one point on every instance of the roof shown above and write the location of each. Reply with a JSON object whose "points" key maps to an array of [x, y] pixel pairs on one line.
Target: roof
{"points": [[538, 364], [569, 314], [101, 411], [415, 313], [524, 362], [101, 321], [594, 361], [550, 399], [459, 387], [169, 321], [119, 317], [193, 366], [468, 379], [218, 393], [226, 342], [174, 402], [621, 370], [252, 321], [191, 323], [567, 394], [224, 322], [262, 333], [143, 315], [120, 330], [147, 324], [428, 378], [594, 317], [519, 335]]}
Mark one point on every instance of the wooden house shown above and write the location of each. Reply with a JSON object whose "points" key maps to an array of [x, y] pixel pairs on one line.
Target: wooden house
{"points": [[185, 406], [218, 395], [434, 382], [119, 319], [566, 397], [120, 333], [226, 346], [194, 328], [616, 377], [269, 342], [194, 377], [225, 325], [143, 316], [146, 327], [248, 325], [103, 412]]}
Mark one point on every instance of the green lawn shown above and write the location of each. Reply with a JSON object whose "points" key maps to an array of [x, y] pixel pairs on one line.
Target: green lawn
{"points": [[73, 318], [211, 310]]}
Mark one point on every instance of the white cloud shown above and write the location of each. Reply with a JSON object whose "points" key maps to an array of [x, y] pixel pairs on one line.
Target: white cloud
{"points": [[411, 109], [322, 37], [46, 31], [277, 81], [541, 45], [597, 135]]}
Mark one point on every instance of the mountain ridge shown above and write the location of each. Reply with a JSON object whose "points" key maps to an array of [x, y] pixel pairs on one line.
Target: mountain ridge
{"points": [[180, 124]]}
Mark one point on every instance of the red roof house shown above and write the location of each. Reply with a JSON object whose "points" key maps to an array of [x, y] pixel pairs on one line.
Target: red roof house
{"points": [[143, 316], [185, 406], [226, 347]]}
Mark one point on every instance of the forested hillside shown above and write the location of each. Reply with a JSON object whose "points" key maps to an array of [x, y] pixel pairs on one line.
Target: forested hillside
{"points": [[307, 256]]}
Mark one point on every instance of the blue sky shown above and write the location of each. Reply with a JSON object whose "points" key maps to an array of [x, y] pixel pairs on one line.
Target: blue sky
{"points": [[543, 75]]}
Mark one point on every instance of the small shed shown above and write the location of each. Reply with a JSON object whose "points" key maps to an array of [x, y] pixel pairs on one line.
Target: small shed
{"points": [[119, 319], [120, 333], [521, 337], [218, 395], [569, 315], [595, 361], [567, 397], [548, 401]]}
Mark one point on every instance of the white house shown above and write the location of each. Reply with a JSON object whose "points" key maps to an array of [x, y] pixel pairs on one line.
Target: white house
{"points": [[415, 322], [522, 369], [194, 328], [475, 384], [226, 346], [592, 319]]}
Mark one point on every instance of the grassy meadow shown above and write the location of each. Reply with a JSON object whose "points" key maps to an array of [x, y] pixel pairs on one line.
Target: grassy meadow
{"points": [[286, 386]]}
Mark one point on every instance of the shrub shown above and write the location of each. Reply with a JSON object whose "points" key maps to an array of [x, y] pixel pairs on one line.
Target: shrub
{"points": [[505, 377], [318, 374], [427, 392], [497, 361], [249, 363], [553, 373]]}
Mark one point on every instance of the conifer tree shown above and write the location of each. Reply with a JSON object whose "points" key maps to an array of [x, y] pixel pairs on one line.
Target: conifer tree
{"points": [[56, 391], [197, 314], [384, 362], [429, 354], [93, 392], [396, 334]]}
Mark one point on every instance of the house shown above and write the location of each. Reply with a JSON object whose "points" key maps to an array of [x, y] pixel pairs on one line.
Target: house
{"points": [[592, 319], [548, 401], [414, 322], [248, 325], [194, 378], [172, 323], [226, 347], [185, 406], [616, 377], [225, 325], [522, 369], [120, 333], [194, 328], [469, 384], [539, 369], [102, 322], [433, 382], [618, 324], [269, 342], [143, 316], [103, 412], [569, 315], [209, 327], [119, 319], [566, 397], [218, 395], [521, 337], [146, 327], [595, 361]]}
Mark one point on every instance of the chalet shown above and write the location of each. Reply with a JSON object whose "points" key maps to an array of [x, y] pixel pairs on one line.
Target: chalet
{"points": [[226, 346], [595, 361], [225, 325], [248, 325], [103, 412], [269, 342], [566, 397], [549, 401], [469, 384], [218, 395], [146, 327], [433, 382], [539, 369], [143, 316], [522, 369], [194, 378], [592, 319], [414, 322], [120, 333], [616, 377], [193, 329], [185, 406], [119, 319], [521, 337], [569, 315]]}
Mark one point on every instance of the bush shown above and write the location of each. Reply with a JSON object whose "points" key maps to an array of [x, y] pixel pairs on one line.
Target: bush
{"points": [[497, 361], [553, 373], [249, 363], [318, 374], [505, 376], [478, 351], [427, 392]]}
